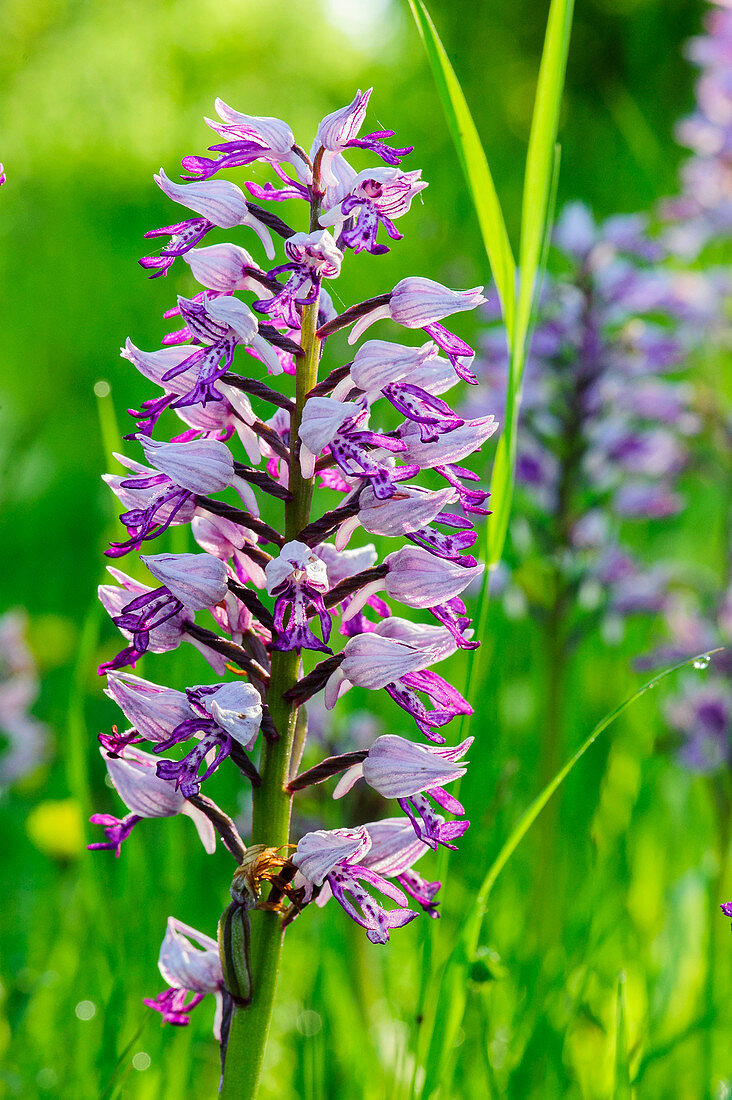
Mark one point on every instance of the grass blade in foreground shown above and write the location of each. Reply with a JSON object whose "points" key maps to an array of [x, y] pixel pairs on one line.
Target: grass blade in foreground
{"points": [[453, 987], [537, 208], [535, 211], [474, 164]]}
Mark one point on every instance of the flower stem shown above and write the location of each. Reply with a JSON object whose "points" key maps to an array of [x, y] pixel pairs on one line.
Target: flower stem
{"points": [[272, 802]]}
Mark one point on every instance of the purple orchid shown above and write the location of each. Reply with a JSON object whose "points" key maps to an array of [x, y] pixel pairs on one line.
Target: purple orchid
{"points": [[421, 303], [397, 768], [218, 714], [312, 257], [189, 963], [217, 203], [376, 197], [334, 857], [340, 426], [298, 579], [249, 138], [132, 773], [394, 851], [223, 323]]}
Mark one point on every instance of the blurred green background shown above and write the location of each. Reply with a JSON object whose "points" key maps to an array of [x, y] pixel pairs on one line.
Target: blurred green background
{"points": [[96, 96]]}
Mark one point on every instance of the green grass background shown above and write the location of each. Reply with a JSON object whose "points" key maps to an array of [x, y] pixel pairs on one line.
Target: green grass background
{"points": [[95, 97]]}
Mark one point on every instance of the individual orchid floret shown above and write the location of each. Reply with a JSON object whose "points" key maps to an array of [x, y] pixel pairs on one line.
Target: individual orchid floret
{"points": [[410, 512], [341, 427], [419, 579], [312, 258], [333, 857], [339, 131], [297, 579], [217, 202], [189, 962], [221, 324], [379, 363], [155, 618], [165, 494], [394, 851], [249, 138], [377, 196], [397, 768], [218, 419], [395, 656], [219, 714], [132, 773], [164, 631], [726, 908], [421, 303]]}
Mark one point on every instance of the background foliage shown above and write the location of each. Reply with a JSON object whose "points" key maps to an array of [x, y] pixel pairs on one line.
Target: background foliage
{"points": [[594, 972]]}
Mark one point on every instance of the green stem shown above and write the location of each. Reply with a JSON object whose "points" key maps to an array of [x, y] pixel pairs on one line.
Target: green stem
{"points": [[271, 822]]}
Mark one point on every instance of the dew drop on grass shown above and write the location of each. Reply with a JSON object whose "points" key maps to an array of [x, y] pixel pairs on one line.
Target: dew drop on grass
{"points": [[701, 663]]}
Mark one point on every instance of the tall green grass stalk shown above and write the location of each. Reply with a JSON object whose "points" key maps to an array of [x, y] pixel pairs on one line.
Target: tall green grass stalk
{"points": [[517, 291]]}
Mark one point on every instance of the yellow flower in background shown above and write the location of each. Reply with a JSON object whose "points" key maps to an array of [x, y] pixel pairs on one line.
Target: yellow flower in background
{"points": [[55, 827]]}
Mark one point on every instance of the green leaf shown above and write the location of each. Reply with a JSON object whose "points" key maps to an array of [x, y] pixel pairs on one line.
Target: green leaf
{"points": [[452, 992], [474, 163]]}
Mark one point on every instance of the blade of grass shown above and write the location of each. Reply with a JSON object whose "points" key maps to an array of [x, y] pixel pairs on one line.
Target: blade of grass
{"points": [[453, 985], [474, 164], [535, 210], [622, 1059], [541, 176]]}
